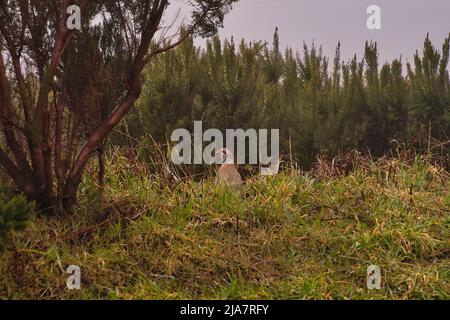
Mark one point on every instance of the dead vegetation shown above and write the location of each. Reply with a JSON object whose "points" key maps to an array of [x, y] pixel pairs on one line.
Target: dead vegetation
{"points": [[298, 235]]}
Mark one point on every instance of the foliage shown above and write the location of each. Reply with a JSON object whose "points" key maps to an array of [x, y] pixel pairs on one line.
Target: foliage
{"points": [[14, 216], [319, 107], [297, 235], [63, 90]]}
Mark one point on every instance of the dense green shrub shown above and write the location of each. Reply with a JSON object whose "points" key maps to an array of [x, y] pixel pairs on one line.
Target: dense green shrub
{"points": [[14, 216], [320, 105]]}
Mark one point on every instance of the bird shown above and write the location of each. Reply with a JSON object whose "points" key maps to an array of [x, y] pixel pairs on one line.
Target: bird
{"points": [[228, 173]]}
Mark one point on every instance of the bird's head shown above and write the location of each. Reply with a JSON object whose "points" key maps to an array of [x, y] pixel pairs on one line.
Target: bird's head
{"points": [[225, 155]]}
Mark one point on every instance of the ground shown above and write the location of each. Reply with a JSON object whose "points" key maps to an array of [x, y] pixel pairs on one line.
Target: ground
{"points": [[297, 235]]}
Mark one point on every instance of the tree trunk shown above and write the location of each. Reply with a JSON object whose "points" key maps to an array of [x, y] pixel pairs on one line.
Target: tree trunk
{"points": [[96, 138], [51, 169]]}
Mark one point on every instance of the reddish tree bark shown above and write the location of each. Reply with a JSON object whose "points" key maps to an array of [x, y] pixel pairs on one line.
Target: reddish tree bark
{"points": [[41, 155]]}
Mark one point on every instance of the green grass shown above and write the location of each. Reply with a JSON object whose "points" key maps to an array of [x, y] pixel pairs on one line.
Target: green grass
{"points": [[293, 236]]}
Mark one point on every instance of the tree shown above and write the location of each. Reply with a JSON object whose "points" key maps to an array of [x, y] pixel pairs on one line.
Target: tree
{"points": [[319, 107], [43, 158], [430, 93], [169, 96]]}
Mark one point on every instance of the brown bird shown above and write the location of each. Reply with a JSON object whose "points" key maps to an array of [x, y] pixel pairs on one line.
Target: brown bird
{"points": [[228, 173]]}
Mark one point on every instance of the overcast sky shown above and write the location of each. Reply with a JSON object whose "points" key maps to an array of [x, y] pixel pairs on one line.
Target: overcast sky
{"points": [[405, 24]]}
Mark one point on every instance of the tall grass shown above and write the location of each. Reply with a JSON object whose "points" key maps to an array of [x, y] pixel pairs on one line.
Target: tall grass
{"points": [[297, 235]]}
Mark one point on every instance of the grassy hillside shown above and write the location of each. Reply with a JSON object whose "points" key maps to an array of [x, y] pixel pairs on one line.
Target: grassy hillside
{"points": [[294, 236]]}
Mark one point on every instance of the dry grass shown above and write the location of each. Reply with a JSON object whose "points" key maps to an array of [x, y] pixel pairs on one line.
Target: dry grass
{"points": [[294, 236]]}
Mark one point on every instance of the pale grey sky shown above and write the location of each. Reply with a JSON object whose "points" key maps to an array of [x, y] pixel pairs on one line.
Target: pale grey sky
{"points": [[405, 24]]}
